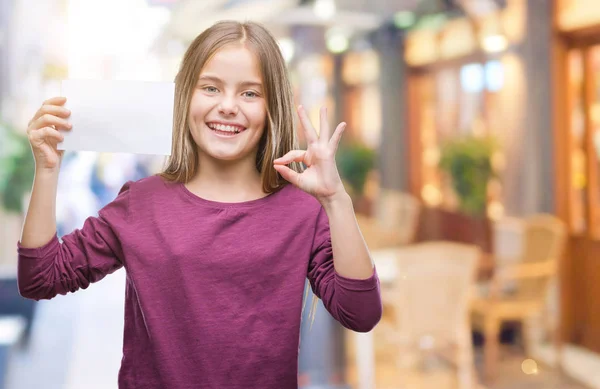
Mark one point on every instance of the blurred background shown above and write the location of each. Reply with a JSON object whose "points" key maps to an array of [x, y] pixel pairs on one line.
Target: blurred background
{"points": [[471, 154]]}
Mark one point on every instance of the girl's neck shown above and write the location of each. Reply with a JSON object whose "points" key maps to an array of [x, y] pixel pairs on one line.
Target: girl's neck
{"points": [[226, 181]]}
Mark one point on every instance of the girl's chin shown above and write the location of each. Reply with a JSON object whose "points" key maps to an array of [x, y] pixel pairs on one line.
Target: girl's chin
{"points": [[224, 154]]}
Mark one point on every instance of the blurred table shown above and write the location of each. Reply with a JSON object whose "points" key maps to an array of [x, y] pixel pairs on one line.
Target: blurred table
{"points": [[387, 271], [385, 262]]}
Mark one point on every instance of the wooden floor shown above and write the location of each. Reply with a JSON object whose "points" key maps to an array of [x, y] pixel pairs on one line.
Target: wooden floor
{"points": [[436, 374], [512, 376]]}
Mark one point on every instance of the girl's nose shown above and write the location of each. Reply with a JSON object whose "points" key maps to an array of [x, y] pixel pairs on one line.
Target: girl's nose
{"points": [[228, 106]]}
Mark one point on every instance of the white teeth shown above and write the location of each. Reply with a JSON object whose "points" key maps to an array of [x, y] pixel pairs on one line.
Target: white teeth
{"points": [[222, 127]]}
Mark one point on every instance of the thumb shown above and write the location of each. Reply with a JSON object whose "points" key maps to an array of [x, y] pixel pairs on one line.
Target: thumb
{"points": [[288, 174]]}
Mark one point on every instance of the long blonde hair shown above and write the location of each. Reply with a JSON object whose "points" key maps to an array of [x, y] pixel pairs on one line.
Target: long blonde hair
{"points": [[279, 136]]}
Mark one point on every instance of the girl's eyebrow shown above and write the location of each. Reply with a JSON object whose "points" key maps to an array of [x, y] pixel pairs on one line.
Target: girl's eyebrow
{"points": [[247, 84], [210, 78], [217, 80]]}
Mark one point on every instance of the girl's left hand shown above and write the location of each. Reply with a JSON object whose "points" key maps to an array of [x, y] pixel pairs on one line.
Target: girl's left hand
{"points": [[321, 178]]}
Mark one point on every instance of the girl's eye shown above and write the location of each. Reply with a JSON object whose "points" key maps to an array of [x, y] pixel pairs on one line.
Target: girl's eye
{"points": [[211, 89], [250, 94]]}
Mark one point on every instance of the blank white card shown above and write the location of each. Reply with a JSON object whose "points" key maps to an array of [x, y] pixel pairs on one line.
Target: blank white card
{"points": [[119, 116]]}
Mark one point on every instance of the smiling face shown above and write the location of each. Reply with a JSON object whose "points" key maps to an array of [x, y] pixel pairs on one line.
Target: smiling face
{"points": [[222, 51], [228, 111]]}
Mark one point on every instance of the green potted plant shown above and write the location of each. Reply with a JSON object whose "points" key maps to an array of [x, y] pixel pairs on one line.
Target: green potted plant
{"points": [[468, 163], [17, 169], [355, 161]]}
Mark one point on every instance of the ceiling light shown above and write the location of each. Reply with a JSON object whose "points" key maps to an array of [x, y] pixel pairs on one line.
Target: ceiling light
{"points": [[495, 43], [324, 9], [337, 43]]}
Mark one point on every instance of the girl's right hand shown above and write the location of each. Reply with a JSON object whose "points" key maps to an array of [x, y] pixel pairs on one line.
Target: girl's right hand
{"points": [[44, 135]]}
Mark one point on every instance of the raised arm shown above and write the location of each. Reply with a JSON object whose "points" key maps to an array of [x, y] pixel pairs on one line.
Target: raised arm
{"points": [[341, 271], [47, 267], [40, 222]]}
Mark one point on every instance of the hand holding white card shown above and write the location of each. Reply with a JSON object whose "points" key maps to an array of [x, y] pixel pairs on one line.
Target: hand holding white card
{"points": [[119, 116]]}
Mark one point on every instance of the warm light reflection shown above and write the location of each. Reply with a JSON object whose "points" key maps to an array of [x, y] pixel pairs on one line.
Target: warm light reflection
{"points": [[495, 210], [495, 43], [431, 156], [431, 195], [498, 161], [529, 366]]}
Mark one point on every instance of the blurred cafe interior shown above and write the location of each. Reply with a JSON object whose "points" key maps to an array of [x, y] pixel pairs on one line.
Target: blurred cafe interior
{"points": [[472, 156]]}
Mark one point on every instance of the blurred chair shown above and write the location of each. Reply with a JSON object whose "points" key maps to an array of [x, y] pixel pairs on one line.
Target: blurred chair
{"points": [[431, 297], [519, 288], [395, 220], [507, 240]]}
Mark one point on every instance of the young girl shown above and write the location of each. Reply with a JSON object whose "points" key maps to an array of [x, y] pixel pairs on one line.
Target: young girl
{"points": [[217, 247]]}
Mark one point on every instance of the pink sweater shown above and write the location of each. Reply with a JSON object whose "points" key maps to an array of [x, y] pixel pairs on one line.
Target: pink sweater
{"points": [[214, 290]]}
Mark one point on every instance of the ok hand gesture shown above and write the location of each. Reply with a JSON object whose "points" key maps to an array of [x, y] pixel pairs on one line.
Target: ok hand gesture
{"points": [[321, 178]]}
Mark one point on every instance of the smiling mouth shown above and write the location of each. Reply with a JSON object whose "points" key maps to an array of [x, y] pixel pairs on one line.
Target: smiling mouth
{"points": [[225, 129]]}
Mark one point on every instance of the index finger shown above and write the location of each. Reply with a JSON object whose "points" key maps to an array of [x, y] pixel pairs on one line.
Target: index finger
{"points": [[57, 100]]}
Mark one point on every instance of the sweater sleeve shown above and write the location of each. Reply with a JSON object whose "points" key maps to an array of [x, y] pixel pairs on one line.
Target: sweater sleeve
{"points": [[356, 304], [84, 256]]}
